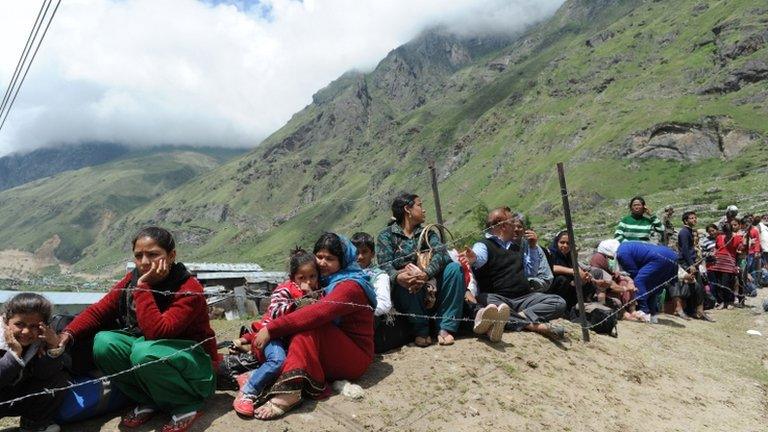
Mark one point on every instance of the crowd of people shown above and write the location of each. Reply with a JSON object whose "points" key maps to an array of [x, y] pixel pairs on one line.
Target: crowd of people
{"points": [[338, 308]]}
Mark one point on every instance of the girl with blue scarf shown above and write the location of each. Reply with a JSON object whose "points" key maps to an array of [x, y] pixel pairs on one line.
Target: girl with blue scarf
{"points": [[331, 339]]}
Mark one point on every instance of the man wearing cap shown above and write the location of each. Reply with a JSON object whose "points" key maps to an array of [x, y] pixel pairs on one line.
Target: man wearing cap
{"points": [[730, 214]]}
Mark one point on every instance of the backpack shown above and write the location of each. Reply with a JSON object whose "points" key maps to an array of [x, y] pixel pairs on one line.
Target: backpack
{"points": [[89, 399], [600, 318]]}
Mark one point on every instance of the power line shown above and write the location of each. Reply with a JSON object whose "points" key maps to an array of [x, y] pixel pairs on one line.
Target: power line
{"points": [[29, 65], [23, 56]]}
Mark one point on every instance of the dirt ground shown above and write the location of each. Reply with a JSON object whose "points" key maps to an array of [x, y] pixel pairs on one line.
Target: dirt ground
{"points": [[674, 376]]}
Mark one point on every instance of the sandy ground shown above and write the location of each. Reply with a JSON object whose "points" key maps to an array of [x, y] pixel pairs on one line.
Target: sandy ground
{"points": [[675, 376]]}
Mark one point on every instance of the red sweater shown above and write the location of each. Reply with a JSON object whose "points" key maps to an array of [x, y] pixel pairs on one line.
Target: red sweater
{"points": [[356, 320], [186, 318]]}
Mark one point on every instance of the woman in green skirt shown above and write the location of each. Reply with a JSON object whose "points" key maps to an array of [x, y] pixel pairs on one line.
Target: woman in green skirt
{"points": [[162, 319]]}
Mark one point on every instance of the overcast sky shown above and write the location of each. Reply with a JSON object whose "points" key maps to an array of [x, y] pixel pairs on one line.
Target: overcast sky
{"points": [[207, 72]]}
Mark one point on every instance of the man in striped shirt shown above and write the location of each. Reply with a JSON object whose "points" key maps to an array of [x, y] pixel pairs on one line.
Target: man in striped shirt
{"points": [[639, 224]]}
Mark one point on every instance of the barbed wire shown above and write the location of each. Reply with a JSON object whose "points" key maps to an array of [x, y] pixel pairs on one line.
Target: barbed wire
{"points": [[106, 378]]}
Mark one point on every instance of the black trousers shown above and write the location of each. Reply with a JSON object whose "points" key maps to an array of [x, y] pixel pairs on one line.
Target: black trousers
{"points": [[723, 285], [562, 287]]}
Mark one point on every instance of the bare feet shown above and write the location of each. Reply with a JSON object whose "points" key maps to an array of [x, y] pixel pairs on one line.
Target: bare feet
{"points": [[422, 341], [445, 338], [549, 331]]}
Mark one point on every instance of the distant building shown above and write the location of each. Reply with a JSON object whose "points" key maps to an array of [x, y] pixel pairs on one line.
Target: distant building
{"points": [[64, 302], [248, 281]]}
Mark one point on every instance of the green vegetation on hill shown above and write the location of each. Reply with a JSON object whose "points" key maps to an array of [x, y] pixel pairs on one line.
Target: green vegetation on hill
{"points": [[77, 206]]}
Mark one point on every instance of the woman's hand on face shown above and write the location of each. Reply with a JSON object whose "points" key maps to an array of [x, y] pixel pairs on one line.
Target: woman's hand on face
{"points": [[262, 338], [12, 342], [48, 335], [157, 272]]}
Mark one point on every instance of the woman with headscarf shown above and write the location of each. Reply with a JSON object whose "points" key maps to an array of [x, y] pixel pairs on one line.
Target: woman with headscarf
{"points": [[562, 268], [331, 339]]}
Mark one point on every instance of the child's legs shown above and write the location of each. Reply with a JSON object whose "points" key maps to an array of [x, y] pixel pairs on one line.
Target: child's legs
{"points": [[112, 354], [274, 357]]}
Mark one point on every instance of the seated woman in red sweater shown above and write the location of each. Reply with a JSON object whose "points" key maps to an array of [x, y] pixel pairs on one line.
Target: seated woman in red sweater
{"points": [[154, 325], [332, 339]]}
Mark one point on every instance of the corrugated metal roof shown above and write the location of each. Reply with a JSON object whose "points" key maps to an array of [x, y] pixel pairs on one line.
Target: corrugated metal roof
{"points": [[60, 298], [271, 277], [214, 267], [251, 277]]}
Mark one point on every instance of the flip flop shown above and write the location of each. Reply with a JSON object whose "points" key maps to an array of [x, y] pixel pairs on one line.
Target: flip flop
{"points": [[137, 416]]}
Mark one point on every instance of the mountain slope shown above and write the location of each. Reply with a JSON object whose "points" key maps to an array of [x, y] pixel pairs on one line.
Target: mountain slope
{"points": [[68, 211], [17, 169], [636, 96]]}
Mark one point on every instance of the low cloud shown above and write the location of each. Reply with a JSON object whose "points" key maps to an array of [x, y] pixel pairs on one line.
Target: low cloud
{"points": [[208, 73]]}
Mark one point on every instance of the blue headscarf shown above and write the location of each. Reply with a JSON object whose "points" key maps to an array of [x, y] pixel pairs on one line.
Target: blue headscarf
{"points": [[350, 270]]}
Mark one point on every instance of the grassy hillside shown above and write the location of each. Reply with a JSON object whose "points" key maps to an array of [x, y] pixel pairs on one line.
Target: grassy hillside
{"points": [[75, 207], [637, 97]]}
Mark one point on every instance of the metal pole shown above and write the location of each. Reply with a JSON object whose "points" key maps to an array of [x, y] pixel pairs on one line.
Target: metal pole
{"points": [[574, 255], [436, 193]]}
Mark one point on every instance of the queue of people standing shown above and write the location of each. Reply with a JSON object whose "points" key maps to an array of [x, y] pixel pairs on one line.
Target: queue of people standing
{"points": [[337, 309]]}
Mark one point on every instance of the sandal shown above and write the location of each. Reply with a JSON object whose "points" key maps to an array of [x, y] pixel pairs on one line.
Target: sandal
{"points": [[422, 341], [445, 338], [276, 411], [181, 423], [137, 416]]}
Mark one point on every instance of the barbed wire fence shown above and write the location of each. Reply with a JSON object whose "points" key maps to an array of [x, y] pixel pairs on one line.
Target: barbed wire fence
{"points": [[447, 245]]}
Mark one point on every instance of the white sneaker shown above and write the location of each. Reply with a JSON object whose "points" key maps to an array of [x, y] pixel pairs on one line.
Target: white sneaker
{"points": [[484, 319], [654, 319], [497, 329]]}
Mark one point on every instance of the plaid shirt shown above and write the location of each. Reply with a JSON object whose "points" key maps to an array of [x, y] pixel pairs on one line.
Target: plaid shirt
{"points": [[394, 250]]}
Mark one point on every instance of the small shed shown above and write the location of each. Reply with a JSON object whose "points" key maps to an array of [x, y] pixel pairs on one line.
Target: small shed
{"points": [[234, 290]]}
